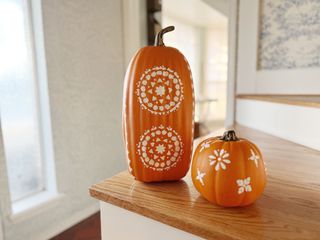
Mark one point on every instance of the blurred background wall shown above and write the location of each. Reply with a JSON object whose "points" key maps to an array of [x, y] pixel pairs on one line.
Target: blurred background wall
{"points": [[85, 66]]}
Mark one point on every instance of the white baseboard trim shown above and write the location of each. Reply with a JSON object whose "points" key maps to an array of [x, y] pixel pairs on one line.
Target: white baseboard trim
{"points": [[137, 227], [68, 222], [294, 123]]}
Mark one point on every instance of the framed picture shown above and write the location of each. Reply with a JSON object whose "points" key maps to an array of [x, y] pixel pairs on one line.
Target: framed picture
{"points": [[278, 47]]}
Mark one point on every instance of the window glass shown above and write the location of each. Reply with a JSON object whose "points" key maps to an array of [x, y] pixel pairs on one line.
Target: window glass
{"points": [[19, 101]]}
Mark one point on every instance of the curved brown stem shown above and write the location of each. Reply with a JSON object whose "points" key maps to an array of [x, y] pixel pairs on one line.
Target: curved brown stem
{"points": [[230, 135], [159, 37]]}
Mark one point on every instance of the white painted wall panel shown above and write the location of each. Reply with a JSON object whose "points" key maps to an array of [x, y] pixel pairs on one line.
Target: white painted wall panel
{"points": [[119, 223], [294, 123]]}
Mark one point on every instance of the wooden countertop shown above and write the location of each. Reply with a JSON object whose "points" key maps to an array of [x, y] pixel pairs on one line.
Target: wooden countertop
{"points": [[288, 209], [298, 100]]}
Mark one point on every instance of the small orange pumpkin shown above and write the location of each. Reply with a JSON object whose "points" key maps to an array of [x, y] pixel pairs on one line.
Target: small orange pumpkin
{"points": [[228, 171], [158, 110]]}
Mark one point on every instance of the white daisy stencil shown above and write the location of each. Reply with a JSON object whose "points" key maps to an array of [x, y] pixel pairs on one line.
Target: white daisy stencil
{"points": [[205, 145], [200, 176], [219, 159], [254, 157], [244, 185]]}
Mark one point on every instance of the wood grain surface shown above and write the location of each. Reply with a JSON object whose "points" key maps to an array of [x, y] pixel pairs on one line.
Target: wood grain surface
{"points": [[297, 100], [288, 209]]}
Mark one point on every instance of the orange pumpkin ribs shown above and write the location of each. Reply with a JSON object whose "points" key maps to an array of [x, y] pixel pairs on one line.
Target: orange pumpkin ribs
{"points": [[228, 171], [158, 113]]}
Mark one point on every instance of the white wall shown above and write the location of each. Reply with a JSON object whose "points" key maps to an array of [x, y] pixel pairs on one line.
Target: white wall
{"points": [[135, 34], [220, 5], [278, 53], [85, 64], [297, 124], [215, 71]]}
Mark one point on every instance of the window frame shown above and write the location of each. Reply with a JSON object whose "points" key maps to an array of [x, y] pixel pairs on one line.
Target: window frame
{"points": [[1, 230], [22, 208]]}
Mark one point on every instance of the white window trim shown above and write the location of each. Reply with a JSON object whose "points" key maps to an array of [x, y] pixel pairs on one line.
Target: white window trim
{"points": [[1, 230], [43, 97], [232, 61], [29, 206]]}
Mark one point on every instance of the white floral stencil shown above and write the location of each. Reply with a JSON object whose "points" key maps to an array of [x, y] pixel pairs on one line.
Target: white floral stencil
{"points": [[205, 145], [160, 90], [244, 185], [160, 148], [200, 176], [254, 157], [219, 159]]}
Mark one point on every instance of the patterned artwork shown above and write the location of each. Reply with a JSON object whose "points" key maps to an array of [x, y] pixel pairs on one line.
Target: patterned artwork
{"points": [[289, 34], [160, 90], [160, 148]]}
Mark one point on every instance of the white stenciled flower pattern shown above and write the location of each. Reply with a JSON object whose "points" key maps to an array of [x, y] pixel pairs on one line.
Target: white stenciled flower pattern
{"points": [[160, 148], [254, 157], [200, 176], [205, 145], [160, 91], [219, 159], [244, 185]]}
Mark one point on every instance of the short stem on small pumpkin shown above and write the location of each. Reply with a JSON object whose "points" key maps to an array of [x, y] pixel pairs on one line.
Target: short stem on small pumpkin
{"points": [[230, 135], [159, 37]]}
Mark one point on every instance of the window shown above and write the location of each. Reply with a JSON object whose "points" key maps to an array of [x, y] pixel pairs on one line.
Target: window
{"points": [[25, 119]]}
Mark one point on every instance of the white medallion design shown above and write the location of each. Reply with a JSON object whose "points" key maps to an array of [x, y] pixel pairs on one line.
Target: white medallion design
{"points": [[160, 148], [200, 176], [244, 185], [219, 159], [254, 157], [160, 90]]}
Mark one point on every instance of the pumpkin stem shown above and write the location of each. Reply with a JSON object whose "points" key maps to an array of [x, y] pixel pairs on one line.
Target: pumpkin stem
{"points": [[159, 37], [229, 135]]}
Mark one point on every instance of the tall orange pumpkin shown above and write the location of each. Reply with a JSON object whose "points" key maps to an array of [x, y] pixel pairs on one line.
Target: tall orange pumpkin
{"points": [[228, 171], [158, 112]]}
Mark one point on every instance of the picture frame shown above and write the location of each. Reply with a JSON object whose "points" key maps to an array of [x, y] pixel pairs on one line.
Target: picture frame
{"points": [[250, 79]]}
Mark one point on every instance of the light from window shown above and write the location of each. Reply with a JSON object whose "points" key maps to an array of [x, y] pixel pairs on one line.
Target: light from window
{"points": [[19, 101]]}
